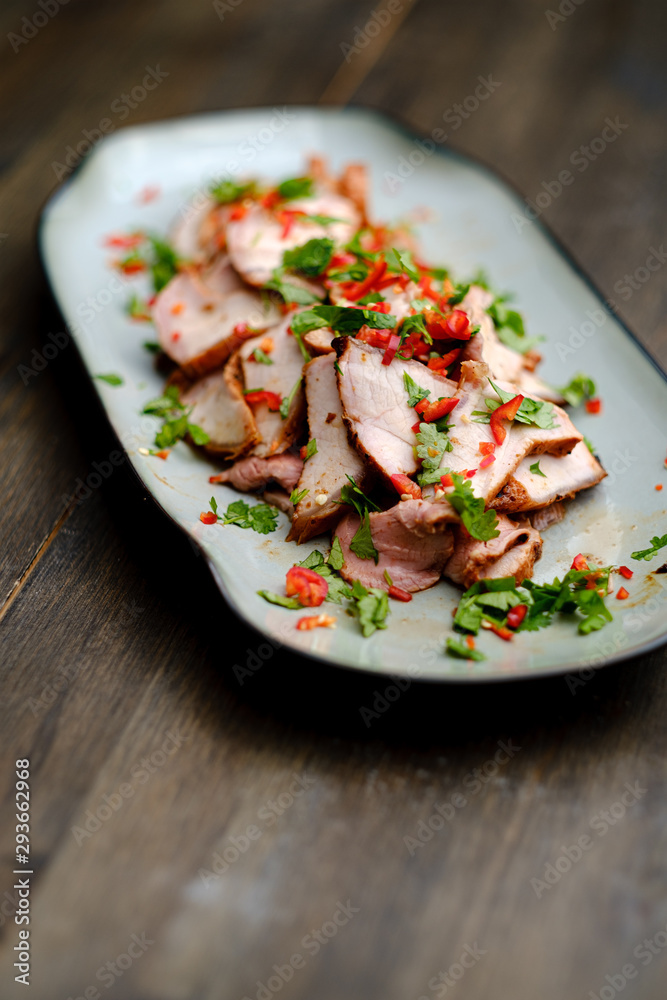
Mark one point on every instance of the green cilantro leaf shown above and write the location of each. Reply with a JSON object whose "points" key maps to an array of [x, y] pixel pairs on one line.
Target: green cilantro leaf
{"points": [[296, 187], [138, 310], [227, 191], [481, 524], [262, 518], [578, 389], [296, 496], [311, 449], [287, 400], [163, 262], [152, 346], [455, 647], [535, 469], [261, 356], [342, 319], [110, 379], [414, 391], [336, 558], [362, 542], [289, 292], [370, 606], [311, 258], [657, 543], [432, 444], [401, 260], [198, 434], [352, 495], [283, 602], [510, 328], [214, 505]]}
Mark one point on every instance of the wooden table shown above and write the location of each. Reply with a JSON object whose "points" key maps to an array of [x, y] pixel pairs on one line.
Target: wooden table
{"points": [[261, 848]]}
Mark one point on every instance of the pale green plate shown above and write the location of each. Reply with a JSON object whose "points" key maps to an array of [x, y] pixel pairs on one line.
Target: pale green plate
{"points": [[473, 223]]}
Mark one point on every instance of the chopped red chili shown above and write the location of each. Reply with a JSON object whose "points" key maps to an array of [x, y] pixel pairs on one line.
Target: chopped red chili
{"points": [[446, 481], [487, 461], [516, 615], [503, 632], [487, 447], [307, 585], [438, 408], [208, 517], [358, 290], [506, 411], [398, 594], [272, 399], [593, 405], [622, 594], [315, 621], [579, 563], [392, 347], [624, 571], [405, 487]]}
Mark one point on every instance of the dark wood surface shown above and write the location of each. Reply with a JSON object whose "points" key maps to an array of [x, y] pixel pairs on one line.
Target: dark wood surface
{"points": [[114, 636]]}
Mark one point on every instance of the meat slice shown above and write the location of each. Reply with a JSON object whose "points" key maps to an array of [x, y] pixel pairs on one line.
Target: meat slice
{"points": [[504, 364], [276, 434], [218, 407], [414, 540], [354, 184], [513, 553], [522, 439], [197, 312], [320, 341], [257, 242], [563, 477], [545, 517], [185, 234], [254, 473], [325, 473], [375, 405]]}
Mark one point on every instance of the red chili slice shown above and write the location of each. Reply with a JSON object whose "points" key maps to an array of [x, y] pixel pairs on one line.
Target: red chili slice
{"points": [[469, 473], [622, 594], [446, 481], [487, 447], [315, 621], [422, 405], [624, 571], [208, 517], [307, 585], [579, 563], [398, 594], [392, 347], [404, 485], [454, 326], [503, 632], [439, 364], [439, 408], [426, 285], [516, 615], [374, 338], [593, 405], [238, 212], [507, 411], [486, 462], [272, 399], [360, 288]]}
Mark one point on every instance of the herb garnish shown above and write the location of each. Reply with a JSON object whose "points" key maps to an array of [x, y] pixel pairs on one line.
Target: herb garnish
{"points": [[175, 416], [657, 543]]}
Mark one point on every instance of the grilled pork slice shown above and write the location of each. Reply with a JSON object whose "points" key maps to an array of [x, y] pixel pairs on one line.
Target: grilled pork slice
{"points": [[319, 341], [257, 242], [197, 312], [254, 473], [522, 439], [218, 407], [513, 553], [185, 234], [504, 363], [325, 473], [375, 405], [276, 434], [414, 540], [546, 517], [563, 477]]}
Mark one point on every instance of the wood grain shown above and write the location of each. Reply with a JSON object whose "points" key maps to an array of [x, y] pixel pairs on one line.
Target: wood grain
{"points": [[114, 636]]}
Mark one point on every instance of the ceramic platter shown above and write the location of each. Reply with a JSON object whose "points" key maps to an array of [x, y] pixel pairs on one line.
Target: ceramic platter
{"points": [[474, 220]]}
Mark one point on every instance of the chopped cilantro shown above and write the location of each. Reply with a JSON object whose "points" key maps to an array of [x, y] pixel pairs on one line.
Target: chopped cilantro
{"points": [[152, 346], [261, 356], [163, 262], [531, 411], [336, 558], [589, 444], [287, 401], [283, 602], [401, 260], [296, 187], [110, 379], [342, 319], [289, 292], [296, 496], [578, 389], [338, 368], [535, 469], [174, 415], [355, 247], [432, 444], [362, 542], [455, 647], [509, 326], [311, 449], [321, 220], [137, 309], [657, 543], [370, 606], [460, 292], [262, 518], [311, 258], [480, 524], [227, 191], [414, 391]]}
